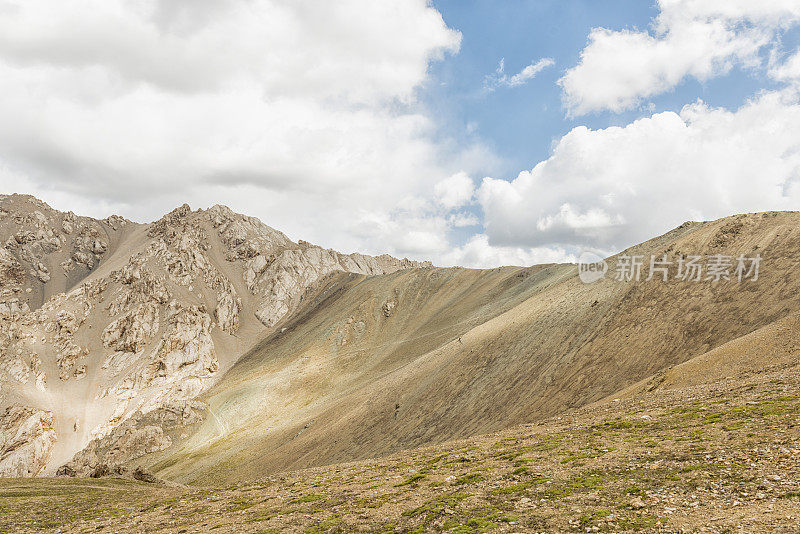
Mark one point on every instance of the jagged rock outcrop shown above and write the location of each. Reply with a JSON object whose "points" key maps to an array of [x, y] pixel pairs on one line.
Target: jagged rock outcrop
{"points": [[12, 275], [280, 280], [26, 439], [228, 308], [156, 329], [140, 434], [132, 331], [11, 272], [52, 251]]}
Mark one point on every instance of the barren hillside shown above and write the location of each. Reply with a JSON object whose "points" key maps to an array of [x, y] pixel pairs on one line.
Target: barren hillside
{"points": [[720, 456], [372, 366], [211, 348]]}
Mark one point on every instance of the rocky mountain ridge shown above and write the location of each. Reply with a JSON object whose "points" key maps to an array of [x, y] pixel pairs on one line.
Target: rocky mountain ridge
{"points": [[372, 367], [103, 322]]}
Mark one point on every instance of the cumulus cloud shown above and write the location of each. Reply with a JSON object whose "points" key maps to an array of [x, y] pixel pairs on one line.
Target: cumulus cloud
{"points": [[698, 38], [787, 70], [455, 191], [303, 113], [463, 220], [615, 187], [477, 252], [500, 79]]}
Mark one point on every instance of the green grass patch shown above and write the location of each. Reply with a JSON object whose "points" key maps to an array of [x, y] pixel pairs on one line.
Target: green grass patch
{"points": [[468, 478], [698, 467], [410, 480], [434, 508], [616, 424], [325, 526], [308, 498]]}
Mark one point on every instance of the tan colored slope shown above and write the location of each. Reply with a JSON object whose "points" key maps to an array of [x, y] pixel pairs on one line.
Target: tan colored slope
{"points": [[352, 333], [424, 375], [772, 347], [719, 457]]}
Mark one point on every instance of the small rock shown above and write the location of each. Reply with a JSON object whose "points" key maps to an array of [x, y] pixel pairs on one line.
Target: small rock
{"points": [[144, 475], [66, 471], [100, 471], [637, 503]]}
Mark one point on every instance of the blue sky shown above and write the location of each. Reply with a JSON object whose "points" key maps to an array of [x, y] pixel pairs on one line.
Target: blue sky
{"points": [[521, 123], [383, 126]]}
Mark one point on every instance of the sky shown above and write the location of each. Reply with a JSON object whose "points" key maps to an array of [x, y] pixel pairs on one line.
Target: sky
{"points": [[466, 132]]}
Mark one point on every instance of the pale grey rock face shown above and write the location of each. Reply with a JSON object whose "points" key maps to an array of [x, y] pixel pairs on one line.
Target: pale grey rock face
{"points": [[116, 362], [281, 281], [12, 276], [228, 309], [138, 435], [185, 360], [26, 439], [10, 269], [15, 367], [148, 332], [133, 331], [53, 249], [14, 306]]}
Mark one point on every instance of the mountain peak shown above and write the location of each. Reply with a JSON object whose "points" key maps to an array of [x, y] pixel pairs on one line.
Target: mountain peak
{"points": [[137, 319]]}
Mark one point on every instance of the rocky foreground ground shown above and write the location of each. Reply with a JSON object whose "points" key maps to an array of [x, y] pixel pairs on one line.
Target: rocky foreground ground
{"points": [[712, 458]]}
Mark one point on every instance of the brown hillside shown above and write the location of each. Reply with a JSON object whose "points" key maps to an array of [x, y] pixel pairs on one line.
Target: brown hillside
{"points": [[468, 352]]}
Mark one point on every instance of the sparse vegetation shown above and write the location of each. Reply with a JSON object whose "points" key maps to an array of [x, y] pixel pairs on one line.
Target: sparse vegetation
{"points": [[673, 474], [710, 443]]}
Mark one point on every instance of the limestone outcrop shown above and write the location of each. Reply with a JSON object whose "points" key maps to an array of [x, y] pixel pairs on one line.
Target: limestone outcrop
{"points": [[26, 439], [116, 341], [49, 251], [140, 434]]}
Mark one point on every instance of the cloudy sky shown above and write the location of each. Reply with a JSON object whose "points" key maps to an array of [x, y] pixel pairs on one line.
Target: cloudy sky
{"points": [[469, 132]]}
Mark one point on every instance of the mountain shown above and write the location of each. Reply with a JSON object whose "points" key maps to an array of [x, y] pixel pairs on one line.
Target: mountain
{"points": [[45, 252], [368, 367], [101, 321], [717, 455], [210, 349]]}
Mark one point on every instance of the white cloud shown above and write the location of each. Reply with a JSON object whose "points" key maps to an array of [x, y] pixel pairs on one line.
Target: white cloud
{"points": [[302, 113], [359, 50], [305, 114], [463, 220], [787, 70], [698, 38], [616, 187], [454, 191], [501, 79], [479, 253]]}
